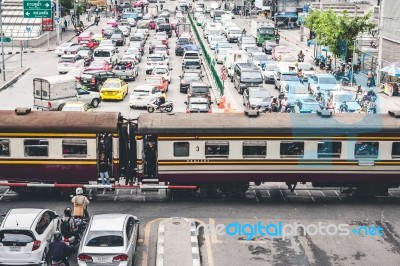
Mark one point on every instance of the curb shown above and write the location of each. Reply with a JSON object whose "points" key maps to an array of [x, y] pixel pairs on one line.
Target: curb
{"points": [[14, 78], [193, 240]]}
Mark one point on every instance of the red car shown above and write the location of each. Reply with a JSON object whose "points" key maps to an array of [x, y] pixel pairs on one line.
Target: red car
{"points": [[163, 39], [92, 44], [138, 4], [99, 65], [173, 24], [152, 24]]}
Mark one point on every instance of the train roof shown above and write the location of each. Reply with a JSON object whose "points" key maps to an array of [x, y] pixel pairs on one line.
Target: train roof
{"points": [[269, 123], [59, 122]]}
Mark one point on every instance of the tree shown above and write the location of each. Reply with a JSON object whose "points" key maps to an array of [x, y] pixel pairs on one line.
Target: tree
{"points": [[68, 4], [335, 29]]}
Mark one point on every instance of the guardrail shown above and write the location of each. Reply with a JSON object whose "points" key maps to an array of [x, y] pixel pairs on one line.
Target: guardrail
{"points": [[210, 61]]}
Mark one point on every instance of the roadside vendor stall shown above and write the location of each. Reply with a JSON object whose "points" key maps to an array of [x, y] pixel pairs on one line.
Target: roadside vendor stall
{"points": [[390, 80]]}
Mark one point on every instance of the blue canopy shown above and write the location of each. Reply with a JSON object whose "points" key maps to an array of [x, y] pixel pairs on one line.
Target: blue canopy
{"points": [[286, 15]]}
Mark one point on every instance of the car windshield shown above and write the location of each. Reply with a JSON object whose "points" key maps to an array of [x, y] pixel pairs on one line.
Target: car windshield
{"points": [[160, 71], [264, 31], [258, 94], [313, 107], [343, 98], [155, 59], [153, 81], [223, 51], [198, 106], [327, 80], [162, 49], [72, 108], [251, 41], [66, 60], [305, 66], [17, 237], [235, 32], [260, 57], [141, 93], [143, 25], [200, 90], [111, 85], [251, 75], [269, 67], [290, 78], [132, 50], [104, 239], [101, 53], [217, 39], [224, 45], [188, 77], [298, 90], [192, 63]]}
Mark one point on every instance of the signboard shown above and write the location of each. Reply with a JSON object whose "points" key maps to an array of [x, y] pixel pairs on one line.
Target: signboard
{"points": [[47, 24], [37, 9], [223, 76], [5, 39]]}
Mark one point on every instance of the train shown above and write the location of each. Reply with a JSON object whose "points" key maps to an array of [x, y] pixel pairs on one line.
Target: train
{"points": [[227, 152]]}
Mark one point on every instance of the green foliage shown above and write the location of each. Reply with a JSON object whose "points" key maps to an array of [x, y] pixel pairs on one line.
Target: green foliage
{"points": [[331, 28], [68, 4]]}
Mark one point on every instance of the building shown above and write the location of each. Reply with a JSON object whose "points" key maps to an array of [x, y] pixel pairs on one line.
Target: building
{"points": [[389, 32]]}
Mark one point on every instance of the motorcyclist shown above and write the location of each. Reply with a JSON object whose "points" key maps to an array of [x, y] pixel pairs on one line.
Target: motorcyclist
{"points": [[284, 104], [72, 230], [244, 32], [330, 106], [274, 105], [80, 204], [161, 100], [58, 250], [300, 56]]}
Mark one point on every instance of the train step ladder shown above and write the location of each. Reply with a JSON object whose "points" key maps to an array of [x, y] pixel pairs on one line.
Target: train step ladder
{"points": [[149, 182]]}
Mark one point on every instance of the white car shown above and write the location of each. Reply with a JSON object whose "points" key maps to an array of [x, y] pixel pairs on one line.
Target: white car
{"points": [[215, 40], [162, 34], [109, 43], [126, 31], [163, 71], [269, 71], [134, 51], [154, 60], [60, 49], [70, 61], [110, 239], [25, 235], [142, 95], [220, 56]]}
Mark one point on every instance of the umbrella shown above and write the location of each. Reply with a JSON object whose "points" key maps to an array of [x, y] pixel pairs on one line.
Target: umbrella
{"points": [[392, 70]]}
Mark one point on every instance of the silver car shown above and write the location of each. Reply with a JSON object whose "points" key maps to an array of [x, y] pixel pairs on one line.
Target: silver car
{"points": [[110, 239]]}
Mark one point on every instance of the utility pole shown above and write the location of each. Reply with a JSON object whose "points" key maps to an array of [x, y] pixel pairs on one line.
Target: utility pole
{"points": [[58, 24], [380, 30], [2, 46]]}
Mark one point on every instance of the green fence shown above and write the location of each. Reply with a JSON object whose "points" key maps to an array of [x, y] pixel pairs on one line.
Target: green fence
{"points": [[210, 61]]}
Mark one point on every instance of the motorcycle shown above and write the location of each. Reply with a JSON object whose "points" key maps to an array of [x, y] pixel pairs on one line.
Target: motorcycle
{"points": [[78, 30], [87, 62], [371, 82], [300, 58], [344, 108], [165, 107], [58, 263], [371, 108]]}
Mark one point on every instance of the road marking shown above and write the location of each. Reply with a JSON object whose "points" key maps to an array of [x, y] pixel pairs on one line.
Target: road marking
{"points": [[146, 240], [5, 193], [214, 238], [255, 195], [210, 259]]}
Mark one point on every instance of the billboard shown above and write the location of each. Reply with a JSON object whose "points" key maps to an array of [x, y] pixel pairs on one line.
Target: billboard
{"points": [[47, 24]]}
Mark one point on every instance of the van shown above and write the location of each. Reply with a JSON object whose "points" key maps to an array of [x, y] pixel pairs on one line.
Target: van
{"points": [[52, 93], [212, 28], [109, 54], [233, 34], [199, 89], [232, 58], [246, 75]]}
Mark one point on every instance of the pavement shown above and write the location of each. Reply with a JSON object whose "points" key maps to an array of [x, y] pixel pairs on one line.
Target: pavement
{"points": [[177, 243], [13, 74]]}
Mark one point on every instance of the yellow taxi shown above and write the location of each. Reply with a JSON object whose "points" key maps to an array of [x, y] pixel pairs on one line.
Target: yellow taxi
{"points": [[77, 107], [114, 89]]}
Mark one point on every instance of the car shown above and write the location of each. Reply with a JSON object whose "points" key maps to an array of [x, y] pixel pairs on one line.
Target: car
{"points": [[109, 43], [323, 83], [92, 44], [126, 69], [286, 58], [340, 97], [94, 80], [98, 37], [153, 45], [73, 49], [187, 78], [143, 27], [221, 54], [165, 27], [268, 46], [134, 51], [100, 65], [142, 95], [109, 239], [76, 72], [138, 4], [246, 41], [114, 89], [278, 51], [138, 38], [252, 49], [68, 62], [198, 105], [306, 106], [112, 23], [256, 98], [173, 23], [131, 57], [25, 235], [180, 44], [109, 32], [161, 49], [126, 30], [154, 60], [200, 20], [85, 37], [269, 71], [258, 58], [215, 40], [296, 91], [286, 78], [199, 89], [163, 39], [77, 107], [60, 49], [119, 39], [163, 71], [158, 81], [307, 69], [86, 53]]}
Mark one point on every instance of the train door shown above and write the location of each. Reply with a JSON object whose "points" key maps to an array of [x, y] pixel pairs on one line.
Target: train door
{"points": [[150, 160], [127, 152], [104, 146]]}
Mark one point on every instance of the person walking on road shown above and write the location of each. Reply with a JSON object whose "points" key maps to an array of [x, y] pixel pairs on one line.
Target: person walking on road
{"points": [[65, 23], [277, 37]]}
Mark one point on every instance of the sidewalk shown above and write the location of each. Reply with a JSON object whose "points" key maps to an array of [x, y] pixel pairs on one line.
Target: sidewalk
{"points": [[177, 243]]}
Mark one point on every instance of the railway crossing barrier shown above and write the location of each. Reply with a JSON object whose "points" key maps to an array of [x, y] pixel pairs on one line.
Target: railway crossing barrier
{"points": [[90, 186]]}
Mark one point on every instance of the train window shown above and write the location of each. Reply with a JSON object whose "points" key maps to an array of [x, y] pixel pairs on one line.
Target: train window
{"points": [[366, 149], [292, 149], [74, 148], [217, 149], [329, 149], [181, 149], [4, 147], [36, 147], [395, 149], [254, 149]]}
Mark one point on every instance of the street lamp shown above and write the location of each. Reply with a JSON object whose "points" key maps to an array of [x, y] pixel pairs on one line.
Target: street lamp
{"points": [[2, 46]]}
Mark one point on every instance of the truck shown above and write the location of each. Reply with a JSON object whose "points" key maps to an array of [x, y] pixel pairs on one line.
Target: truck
{"points": [[232, 58], [182, 28], [262, 30], [152, 10], [125, 72], [52, 93]]}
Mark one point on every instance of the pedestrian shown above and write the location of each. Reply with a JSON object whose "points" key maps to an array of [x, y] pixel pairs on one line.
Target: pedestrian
{"points": [[63, 28], [277, 38], [103, 169], [65, 23], [157, 7], [244, 32], [150, 157]]}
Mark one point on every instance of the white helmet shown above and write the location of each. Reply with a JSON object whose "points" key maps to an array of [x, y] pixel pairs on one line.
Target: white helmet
{"points": [[79, 191]]}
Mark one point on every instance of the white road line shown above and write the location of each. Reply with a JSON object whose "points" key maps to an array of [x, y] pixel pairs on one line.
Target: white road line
{"points": [[5, 193]]}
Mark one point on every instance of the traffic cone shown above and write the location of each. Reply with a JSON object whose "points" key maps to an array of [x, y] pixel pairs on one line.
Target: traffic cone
{"points": [[221, 103], [227, 107]]}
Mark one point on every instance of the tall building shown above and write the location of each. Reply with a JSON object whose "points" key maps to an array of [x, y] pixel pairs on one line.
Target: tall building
{"points": [[389, 31]]}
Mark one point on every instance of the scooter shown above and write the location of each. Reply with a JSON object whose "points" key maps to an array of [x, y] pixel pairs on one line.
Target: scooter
{"points": [[300, 58], [344, 108], [87, 62], [57, 263], [165, 107]]}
